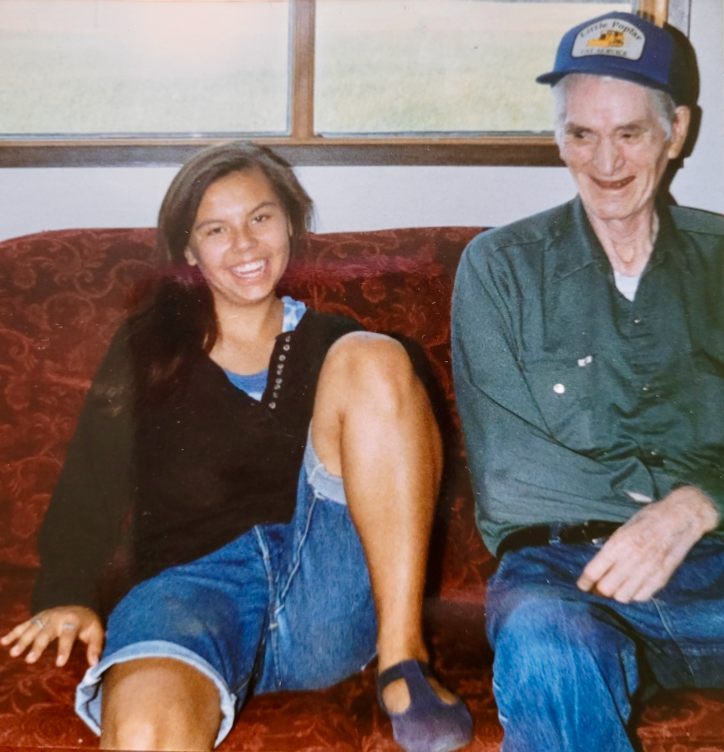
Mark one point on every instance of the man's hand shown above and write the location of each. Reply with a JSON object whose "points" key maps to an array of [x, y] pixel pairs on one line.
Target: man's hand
{"points": [[64, 623], [640, 557]]}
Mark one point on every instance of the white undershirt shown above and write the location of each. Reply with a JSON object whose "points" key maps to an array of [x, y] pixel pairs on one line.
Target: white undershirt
{"points": [[626, 285]]}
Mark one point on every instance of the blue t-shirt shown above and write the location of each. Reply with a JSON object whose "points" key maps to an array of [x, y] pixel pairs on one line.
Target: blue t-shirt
{"points": [[255, 384]]}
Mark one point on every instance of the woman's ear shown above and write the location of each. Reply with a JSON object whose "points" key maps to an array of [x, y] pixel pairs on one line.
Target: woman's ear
{"points": [[189, 256]]}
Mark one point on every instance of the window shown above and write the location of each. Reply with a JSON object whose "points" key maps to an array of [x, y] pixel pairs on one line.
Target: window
{"points": [[463, 67], [325, 81], [121, 67]]}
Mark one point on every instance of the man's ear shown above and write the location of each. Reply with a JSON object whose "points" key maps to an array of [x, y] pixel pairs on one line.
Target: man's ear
{"points": [[189, 256], [679, 131]]}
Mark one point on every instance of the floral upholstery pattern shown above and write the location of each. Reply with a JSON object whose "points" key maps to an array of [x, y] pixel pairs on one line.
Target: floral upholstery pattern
{"points": [[62, 296]]}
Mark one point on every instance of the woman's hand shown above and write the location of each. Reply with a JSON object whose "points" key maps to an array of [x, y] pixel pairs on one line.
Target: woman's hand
{"points": [[64, 623]]}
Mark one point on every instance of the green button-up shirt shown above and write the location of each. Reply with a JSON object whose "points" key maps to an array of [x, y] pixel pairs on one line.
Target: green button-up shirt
{"points": [[577, 403]]}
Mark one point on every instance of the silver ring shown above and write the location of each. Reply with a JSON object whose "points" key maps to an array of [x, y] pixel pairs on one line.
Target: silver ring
{"points": [[69, 626], [37, 622]]}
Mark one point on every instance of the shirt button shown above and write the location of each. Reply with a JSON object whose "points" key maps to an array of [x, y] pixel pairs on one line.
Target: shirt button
{"points": [[275, 395], [286, 347], [282, 357], [277, 381], [288, 338], [559, 388], [280, 369], [272, 405]]}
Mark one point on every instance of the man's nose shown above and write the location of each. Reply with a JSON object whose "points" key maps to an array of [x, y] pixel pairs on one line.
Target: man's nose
{"points": [[608, 157]]}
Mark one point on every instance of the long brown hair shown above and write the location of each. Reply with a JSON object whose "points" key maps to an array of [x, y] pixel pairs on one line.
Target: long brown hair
{"points": [[178, 322]]}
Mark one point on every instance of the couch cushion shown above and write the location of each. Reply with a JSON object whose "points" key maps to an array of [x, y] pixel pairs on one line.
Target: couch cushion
{"points": [[62, 295]]}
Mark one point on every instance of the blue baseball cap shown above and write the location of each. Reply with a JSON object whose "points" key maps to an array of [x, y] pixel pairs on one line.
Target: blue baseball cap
{"points": [[625, 46]]}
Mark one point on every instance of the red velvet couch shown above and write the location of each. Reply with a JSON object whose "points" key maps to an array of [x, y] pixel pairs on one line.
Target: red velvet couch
{"points": [[62, 295]]}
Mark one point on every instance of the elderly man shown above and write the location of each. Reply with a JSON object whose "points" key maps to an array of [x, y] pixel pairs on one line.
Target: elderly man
{"points": [[588, 348]]}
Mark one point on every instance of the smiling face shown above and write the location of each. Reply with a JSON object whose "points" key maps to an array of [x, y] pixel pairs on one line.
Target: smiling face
{"points": [[240, 239], [615, 145]]}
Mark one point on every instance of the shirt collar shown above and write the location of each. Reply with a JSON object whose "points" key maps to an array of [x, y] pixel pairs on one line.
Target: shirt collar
{"points": [[579, 247], [669, 242], [577, 244]]}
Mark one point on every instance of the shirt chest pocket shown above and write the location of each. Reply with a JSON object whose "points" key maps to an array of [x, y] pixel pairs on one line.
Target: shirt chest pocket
{"points": [[563, 389]]}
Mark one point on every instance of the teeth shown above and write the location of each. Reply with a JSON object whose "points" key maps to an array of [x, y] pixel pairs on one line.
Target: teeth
{"points": [[615, 183], [247, 269]]}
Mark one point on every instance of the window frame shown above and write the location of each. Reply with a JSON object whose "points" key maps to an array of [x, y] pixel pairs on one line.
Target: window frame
{"points": [[301, 146]]}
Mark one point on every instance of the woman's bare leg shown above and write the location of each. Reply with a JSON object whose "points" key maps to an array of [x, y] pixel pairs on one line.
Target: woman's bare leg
{"points": [[159, 703], [374, 426]]}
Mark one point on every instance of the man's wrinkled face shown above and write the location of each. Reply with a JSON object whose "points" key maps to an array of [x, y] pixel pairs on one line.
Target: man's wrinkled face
{"points": [[615, 145]]}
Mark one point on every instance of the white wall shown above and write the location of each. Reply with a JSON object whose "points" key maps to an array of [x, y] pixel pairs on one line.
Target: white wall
{"points": [[701, 182], [364, 198]]}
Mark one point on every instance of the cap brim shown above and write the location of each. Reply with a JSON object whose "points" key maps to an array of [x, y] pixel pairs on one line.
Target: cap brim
{"points": [[552, 78]]}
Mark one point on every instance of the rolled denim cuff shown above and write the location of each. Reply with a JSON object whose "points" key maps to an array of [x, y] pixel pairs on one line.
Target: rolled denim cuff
{"points": [[88, 692], [323, 483]]}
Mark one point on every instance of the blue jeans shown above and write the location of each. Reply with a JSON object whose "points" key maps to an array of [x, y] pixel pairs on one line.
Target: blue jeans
{"points": [[570, 666], [282, 607]]}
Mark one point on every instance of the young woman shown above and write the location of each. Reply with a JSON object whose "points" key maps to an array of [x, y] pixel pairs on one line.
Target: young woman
{"points": [[279, 468]]}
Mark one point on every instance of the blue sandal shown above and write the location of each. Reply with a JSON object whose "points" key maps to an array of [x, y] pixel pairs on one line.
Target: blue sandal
{"points": [[428, 724]]}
